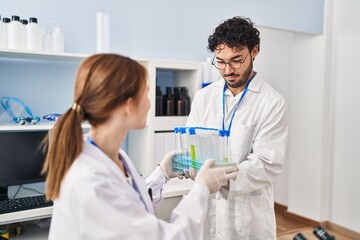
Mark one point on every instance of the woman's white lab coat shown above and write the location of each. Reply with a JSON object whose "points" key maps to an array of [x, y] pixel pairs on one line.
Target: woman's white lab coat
{"points": [[96, 201], [258, 142]]}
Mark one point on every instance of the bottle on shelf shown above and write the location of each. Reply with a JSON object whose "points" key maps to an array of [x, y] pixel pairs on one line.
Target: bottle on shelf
{"points": [[181, 105], [183, 91], [24, 22], [15, 34], [58, 42], [159, 108], [176, 98], [169, 103], [34, 35], [3, 33]]}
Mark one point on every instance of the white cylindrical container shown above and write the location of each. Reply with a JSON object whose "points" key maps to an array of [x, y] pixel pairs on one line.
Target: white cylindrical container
{"points": [[15, 38], [3, 33], [58, 41], [102, 32], [207, 78], [46, 42], [34, 35]]}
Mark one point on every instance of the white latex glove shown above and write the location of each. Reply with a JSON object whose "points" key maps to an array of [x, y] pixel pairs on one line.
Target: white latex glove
{"points": [[215, 178], [190, 173], [166, 166]]}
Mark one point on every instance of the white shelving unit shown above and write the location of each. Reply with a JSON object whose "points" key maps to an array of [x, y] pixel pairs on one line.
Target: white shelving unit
{"points": [[141, 144]]}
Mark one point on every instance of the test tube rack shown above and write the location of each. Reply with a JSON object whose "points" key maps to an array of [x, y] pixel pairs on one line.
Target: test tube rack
{"points": [[196, 144]]}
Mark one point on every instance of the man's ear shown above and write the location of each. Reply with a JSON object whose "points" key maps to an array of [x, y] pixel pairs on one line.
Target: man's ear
{"points": [[254, 52]]}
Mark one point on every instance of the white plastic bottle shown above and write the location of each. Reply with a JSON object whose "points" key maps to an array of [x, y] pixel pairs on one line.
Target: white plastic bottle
{"points": [[58, 41], [15, 38], [3, 34], [102, 32], [46, 41], [34, 35]]}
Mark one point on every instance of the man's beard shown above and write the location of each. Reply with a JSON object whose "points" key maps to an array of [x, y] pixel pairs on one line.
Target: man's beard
{"points": [[242, 81]]}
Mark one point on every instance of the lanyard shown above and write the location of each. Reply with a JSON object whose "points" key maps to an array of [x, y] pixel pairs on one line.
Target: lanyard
{"points": [[237, 104], [127, 169]]}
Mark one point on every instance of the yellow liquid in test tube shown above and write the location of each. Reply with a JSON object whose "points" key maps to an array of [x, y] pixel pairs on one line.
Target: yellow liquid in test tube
{"points": [[193, 155]]}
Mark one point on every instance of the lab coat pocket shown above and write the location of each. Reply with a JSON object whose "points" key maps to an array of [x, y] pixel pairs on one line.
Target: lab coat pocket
{"points": [[240, 141]]}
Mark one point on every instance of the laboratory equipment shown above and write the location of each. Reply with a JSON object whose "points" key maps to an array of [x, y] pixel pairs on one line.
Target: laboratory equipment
{"points": [[22, 120], [52, 116], [34, 35], [194, 145], [319, 232], [159, 109], [299, 236], [15, 34], [102, 32], [322, 234]]}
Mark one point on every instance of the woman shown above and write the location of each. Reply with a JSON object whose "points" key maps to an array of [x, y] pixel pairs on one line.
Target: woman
{"points": [[96, 190]]}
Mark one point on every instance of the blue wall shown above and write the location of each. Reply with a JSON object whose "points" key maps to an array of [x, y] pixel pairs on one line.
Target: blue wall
{"points": [[162, 29]]}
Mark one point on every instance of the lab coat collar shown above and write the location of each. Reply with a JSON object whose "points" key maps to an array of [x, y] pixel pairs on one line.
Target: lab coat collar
{"points": [[92, 151]]}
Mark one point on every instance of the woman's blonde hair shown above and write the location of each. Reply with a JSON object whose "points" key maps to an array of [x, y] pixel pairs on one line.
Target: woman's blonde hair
{"points": [[103, 82]]}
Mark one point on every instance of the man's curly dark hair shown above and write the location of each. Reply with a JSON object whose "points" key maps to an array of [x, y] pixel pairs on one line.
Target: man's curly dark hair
{"points": [[235, 32]]}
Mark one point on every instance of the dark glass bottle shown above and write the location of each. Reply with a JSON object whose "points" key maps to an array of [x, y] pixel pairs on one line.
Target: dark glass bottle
{"points": [[159, 109], [183, 92], [181, 105], [169, 104], [176, 98]]}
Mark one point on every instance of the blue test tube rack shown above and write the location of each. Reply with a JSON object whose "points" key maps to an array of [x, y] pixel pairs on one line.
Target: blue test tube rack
{"points": [[196, 144]]}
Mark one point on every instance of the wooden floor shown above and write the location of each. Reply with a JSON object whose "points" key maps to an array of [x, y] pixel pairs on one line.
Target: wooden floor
{"points": [[288, 228]]}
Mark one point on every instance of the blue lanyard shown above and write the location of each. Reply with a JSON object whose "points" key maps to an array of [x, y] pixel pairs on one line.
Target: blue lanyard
{"points": [[127, 169], [237, 104]]}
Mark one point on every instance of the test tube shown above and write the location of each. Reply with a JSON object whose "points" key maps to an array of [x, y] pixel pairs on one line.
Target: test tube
{"points": [[214, 146], [193, 142], [177, 140], [227, 145], [200, 148], [224, 148], [177, 148], [185, 147]]}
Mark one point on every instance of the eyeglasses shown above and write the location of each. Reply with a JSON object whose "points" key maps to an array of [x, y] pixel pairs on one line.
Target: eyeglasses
{"points": [[23, 120], [234, 64], [52, 116], [5, 103]]}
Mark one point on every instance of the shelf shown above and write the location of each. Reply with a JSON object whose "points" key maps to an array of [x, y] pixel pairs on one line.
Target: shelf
{"points": [[29, 55], [24, 128], [33, 232], [27, 215], [167, 123], [177, 187]]}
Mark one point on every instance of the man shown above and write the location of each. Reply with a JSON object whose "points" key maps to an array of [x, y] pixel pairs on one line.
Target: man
{"points": [[256, 116]]}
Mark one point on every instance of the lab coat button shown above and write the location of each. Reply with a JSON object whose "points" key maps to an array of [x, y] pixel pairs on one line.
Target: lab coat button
{"points": [[218, 196]]}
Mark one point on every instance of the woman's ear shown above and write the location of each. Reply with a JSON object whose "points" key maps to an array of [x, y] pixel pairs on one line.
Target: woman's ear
{"points": [[128, 106]]}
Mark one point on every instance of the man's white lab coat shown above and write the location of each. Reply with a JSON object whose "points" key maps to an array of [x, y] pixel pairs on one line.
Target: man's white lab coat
{"points": [[258, 141]]}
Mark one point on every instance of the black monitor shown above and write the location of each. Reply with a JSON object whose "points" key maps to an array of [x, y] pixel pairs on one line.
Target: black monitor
{"points": [[21, 158]]}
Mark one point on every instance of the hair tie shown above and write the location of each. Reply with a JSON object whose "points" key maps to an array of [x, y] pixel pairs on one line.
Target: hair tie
{"points": [[76, 107]]}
